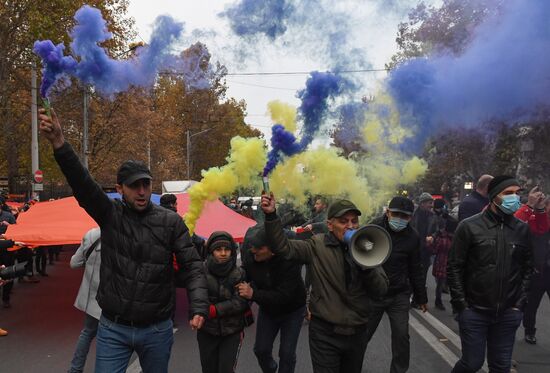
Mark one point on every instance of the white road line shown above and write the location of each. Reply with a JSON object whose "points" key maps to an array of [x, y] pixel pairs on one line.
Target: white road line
{"points": [[135, 367], [444, 330], [434, 342]]}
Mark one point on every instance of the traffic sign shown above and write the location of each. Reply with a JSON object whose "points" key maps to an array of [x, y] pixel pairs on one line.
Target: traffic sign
{"points": [[38, 176]]}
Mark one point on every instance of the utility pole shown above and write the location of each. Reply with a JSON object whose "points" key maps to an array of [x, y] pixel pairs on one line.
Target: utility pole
{"points": [[85, 129], [189, 136], [34, 125]]}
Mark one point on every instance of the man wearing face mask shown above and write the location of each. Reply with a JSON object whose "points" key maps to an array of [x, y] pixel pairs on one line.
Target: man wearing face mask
{"points": [[340, 289], [404, 270], [489, 271]]}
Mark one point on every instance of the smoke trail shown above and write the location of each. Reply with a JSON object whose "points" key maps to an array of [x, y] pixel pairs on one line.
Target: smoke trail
{"points": [[110, 76], [56, 65], [283, 113], [320, 87], [244, 163], [502, 75], [252, 17]]}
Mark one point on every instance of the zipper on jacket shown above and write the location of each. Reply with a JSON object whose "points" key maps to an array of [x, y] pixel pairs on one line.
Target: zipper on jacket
{"points": [[499, 265]]}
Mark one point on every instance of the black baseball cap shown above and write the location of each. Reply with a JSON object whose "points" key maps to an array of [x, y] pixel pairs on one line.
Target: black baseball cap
{"points": [[402, 205], [340, 207], [131, 171]]}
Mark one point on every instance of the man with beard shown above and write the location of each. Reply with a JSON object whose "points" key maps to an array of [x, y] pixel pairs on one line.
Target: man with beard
{"points": [[489, 272], [139, 239]]}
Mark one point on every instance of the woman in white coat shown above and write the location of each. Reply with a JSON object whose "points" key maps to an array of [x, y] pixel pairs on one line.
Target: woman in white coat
{"points": [[88, 255]]}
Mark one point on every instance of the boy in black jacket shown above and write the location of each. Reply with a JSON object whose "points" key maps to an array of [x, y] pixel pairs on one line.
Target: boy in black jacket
{"points": [[220, 337]]}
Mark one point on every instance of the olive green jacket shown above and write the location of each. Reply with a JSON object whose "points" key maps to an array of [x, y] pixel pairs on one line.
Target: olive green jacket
{"points": [[331, 300]]}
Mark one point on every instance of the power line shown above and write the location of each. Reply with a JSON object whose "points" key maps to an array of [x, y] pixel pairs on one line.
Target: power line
{"points": [[264, 86], [303, 72]]}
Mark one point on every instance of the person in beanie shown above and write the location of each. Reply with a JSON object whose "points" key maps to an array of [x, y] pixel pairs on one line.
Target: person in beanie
{"points": [[341, 291], [489, 272], [221, 336], [276, 285], [404, 271], [138, 242]]}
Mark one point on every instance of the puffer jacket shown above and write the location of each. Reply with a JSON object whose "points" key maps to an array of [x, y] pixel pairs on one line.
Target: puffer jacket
{"points": [[137, 274], [229, 305], [490, 263]]}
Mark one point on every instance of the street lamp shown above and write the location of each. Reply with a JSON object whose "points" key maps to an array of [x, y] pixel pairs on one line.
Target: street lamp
{"points": [[189, 136]]}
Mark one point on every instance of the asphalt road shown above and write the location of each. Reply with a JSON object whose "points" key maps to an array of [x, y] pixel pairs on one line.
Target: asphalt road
{"points": [[43, 328]]}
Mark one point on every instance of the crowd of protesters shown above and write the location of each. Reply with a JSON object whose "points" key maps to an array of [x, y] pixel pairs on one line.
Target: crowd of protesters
{"points": [[12, 252], [489, 251]]}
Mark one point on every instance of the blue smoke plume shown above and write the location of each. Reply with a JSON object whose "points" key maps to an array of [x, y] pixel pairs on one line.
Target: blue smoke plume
{"points": [[252, 17], [504, 74], [320, 87], [110, 76]]}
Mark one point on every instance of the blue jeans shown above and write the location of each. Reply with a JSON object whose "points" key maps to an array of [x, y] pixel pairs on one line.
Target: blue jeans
{"points": [[479, 331], [83, 345], [116, 343], [267, 329]]}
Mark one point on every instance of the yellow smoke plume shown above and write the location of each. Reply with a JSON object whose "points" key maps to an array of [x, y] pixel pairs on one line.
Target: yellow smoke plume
{"points": [[246, 160], [284, 114]]}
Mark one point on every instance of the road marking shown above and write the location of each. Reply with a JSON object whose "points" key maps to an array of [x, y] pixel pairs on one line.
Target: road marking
{"points": [[436, 342], [135, 367]]}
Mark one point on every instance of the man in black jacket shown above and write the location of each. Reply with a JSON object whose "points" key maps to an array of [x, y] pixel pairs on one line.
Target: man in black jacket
{"points": [[475, 202], [489, 271], [404, 270], [139, 240], [276, 285]]}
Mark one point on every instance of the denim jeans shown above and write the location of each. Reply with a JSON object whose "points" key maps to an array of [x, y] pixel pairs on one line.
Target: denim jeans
{"points": [[83, 345], [480, 331], [116, 343], [267, 329]]}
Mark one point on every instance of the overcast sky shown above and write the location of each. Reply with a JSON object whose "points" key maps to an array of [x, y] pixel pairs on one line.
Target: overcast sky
{"points": [[371, 28]]}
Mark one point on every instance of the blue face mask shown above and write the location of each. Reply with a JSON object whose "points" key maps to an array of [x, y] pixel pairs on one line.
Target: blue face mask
{"points": [[397, 224], [510, 204]]}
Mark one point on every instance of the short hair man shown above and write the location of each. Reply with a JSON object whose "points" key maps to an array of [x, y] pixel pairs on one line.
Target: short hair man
{"points": [[169, 201], [424, 222], [489, 270], [404, 270], [340, 289], [318, 221], [474, 202], [139, 239]]}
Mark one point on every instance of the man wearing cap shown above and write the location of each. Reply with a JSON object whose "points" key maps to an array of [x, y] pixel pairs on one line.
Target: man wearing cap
{"points": [[404, 271], [489, 271], [340, 289], [138, 239]]}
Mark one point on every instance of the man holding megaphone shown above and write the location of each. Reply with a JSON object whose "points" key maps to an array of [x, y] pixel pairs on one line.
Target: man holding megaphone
{"points": [[340, 287], [404, 270]]}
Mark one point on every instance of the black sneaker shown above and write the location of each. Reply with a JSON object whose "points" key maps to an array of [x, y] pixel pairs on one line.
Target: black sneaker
{"points": [[531, 339], [440, 306]]}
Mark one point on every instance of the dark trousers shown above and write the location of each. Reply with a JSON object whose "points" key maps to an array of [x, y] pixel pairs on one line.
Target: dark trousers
{"points": [[7, 258], [40, 259], [267, 328], [480, 332], [540, 284], [219, 354], [439, 289], [397, 308], [25, 255], [336, 353]]}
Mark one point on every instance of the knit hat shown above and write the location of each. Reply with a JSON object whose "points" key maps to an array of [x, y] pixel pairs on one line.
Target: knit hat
{"points": [[255, 236], [499, 183], [425, 197], [220, 239]]}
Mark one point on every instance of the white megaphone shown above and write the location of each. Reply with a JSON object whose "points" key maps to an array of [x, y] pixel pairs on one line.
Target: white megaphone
{"points": [[370, 246]]}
